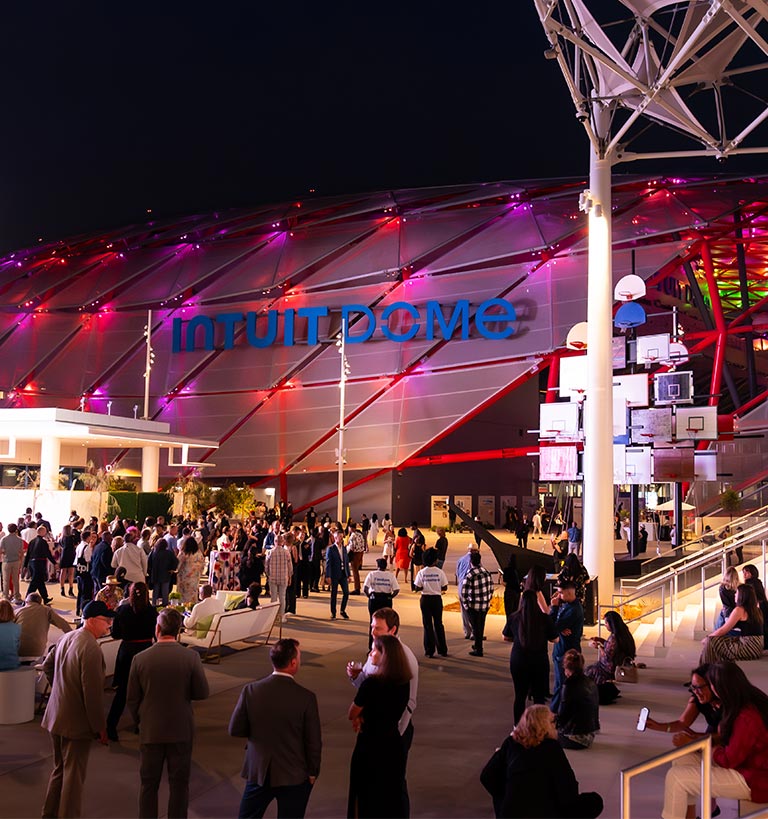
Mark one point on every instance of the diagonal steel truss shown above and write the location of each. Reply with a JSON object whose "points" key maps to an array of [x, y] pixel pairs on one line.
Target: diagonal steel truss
{"points": [[697, 69]]}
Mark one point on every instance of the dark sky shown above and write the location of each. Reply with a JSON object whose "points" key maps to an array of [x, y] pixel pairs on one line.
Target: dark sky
{"points": [[113, 107]]}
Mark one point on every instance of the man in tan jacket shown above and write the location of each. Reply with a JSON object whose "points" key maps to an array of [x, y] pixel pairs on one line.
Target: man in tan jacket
{"points": [[35, 619], [75, 713]]}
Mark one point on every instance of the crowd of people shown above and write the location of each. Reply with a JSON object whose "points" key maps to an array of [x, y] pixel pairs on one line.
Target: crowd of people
{"points": [[124, 574]]}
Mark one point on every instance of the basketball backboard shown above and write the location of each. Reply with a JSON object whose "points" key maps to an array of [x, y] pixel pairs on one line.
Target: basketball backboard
{"points": [[558, 463], [559, 421], [696, 424]]}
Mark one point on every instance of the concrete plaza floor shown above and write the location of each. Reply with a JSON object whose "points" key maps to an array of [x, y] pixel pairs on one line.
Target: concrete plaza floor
{"points": [[464, 711]]}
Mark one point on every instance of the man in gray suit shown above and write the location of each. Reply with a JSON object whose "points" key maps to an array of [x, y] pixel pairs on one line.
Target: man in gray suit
{"points": [[75, 713], [163, 681], [281, 721]]}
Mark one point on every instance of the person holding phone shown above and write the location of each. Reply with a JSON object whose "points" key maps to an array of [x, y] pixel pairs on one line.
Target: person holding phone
{"points": [[701, 702], [740, 758]]}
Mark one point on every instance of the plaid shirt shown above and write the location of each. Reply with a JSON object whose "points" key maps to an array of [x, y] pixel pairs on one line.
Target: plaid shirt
{"points": [[477, 589], [279, 565]]}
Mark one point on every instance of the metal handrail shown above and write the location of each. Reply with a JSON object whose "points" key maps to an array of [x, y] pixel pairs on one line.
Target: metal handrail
{"points": [[666, 580], [704, 745], [736, 539]]}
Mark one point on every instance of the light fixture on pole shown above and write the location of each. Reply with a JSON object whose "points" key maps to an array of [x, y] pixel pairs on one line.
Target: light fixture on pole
{"points": [[149, 361], [340, 451]]}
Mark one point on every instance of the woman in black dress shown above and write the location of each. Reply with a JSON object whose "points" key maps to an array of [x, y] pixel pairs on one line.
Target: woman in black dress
{"points": [[134, 624], [531, 632], [375, 713], [67, 543], [511, 592]]}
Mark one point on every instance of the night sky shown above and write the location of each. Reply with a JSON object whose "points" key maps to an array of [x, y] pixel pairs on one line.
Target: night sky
{"points": [[187, 107]]}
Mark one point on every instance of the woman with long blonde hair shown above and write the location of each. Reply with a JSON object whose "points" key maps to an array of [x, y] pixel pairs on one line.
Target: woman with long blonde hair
{"points": [[727, 592]]}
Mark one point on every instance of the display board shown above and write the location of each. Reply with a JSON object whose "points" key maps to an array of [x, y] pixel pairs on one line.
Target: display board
{"points": [[486, 509], [506, 502], [464, 502], [439, 506]]}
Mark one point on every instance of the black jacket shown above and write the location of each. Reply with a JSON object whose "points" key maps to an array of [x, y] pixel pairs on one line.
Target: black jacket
{"points": [[530, 783], [579, 706]]}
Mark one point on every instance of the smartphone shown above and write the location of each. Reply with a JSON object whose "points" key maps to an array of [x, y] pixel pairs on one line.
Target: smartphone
{"points": [[644, 712]]}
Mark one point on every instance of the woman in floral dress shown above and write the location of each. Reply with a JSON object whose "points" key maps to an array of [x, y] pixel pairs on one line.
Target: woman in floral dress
{"points": [[191, 565]]}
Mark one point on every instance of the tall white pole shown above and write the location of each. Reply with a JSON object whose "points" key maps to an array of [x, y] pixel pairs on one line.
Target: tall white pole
{"points": [[342, 412], [148, 364], [598, 425]]}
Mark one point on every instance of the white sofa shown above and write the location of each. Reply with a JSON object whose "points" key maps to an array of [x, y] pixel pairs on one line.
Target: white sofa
{"points": [[232, 627]]}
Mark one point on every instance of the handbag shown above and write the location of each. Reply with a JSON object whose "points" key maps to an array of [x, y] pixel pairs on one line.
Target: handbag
{"points": [[626, 672]]}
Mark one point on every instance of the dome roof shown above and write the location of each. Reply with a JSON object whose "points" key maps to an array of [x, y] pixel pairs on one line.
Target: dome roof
{"points": [[494, 275]]}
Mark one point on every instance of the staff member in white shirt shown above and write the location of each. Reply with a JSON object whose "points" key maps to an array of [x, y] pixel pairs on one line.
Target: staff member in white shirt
{"points": [[432, 582], [380, 587]]}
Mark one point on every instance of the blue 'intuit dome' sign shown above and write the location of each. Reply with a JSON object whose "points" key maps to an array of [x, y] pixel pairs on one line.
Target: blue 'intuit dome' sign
{"points": [[400, 321]]}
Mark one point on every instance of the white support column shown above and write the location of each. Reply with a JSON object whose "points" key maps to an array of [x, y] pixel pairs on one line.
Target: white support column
{"points": [[50, 461], [150, 468], [598, 429]]}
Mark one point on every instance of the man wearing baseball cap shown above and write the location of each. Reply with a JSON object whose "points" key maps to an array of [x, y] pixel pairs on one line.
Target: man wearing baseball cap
{"points": [[75, 716]]}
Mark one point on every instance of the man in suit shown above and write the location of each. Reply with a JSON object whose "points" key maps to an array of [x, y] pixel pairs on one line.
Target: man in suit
{"points": [[281, 721], [75, 714], [337, 573], [163, 681]]}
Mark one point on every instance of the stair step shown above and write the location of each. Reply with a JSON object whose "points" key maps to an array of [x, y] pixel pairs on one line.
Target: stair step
{"points": [[689, 623]]}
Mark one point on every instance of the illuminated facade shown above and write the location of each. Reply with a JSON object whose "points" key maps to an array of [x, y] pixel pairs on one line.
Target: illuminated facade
{"points": [[499, 269]]}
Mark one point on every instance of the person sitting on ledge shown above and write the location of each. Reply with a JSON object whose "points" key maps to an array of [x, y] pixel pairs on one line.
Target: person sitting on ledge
{"points": [[740, 760], [741, 636], [613, 652], [578, 716]]}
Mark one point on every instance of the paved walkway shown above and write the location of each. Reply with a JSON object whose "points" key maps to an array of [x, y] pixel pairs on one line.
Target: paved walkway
{"points": [[464, 712]]}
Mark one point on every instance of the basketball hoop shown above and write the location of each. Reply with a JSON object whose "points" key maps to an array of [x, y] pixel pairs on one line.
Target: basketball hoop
{"points": [[578, 345], [647, 434]]}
